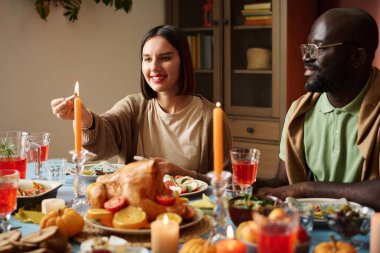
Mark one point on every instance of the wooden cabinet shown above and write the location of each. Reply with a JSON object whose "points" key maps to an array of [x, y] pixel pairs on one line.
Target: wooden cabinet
{"points": [[249, 65]]}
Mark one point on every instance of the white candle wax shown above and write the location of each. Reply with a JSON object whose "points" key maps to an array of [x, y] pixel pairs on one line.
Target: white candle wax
{"points": [[50, 204], [164, 236]]}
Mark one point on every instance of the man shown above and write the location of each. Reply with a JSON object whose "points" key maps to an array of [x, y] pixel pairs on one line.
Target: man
{"points": [[331, 137]]}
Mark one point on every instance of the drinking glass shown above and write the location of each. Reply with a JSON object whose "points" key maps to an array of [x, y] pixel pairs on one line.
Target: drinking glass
{"points": [[56, 169], [244, 165], [277, 233], [43, 140], [14, 147], [8, 195]]}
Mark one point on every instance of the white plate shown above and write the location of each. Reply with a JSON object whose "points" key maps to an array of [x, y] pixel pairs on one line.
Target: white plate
{"points": [[92, 177], [202, 186], [198, 217], [325, 203]]}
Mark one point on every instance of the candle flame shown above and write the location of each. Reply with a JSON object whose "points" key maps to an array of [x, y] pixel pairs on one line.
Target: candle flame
{"points": [[165, 219], [76, 89], [218, 104], [230, 232]]}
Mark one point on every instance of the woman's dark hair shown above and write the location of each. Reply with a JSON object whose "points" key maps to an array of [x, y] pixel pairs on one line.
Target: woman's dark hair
{"points": [[179, 41]]}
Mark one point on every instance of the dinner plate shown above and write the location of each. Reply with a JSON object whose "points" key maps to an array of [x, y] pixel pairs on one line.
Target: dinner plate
{"points": [[324, 203], [202, 186], [93, 177], [146, 231]]}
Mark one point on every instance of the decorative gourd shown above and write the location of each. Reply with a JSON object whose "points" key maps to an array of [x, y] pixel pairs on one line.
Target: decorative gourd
{"points": [[68, 220], [334, 247], [198, 245]]}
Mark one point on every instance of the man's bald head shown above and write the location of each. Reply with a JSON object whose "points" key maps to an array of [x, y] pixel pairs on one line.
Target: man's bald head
{"points": [[348, 24]]}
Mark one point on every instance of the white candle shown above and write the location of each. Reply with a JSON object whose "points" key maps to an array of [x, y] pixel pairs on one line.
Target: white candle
{"points": [[51, 204], [164, 236], [374, 243]]}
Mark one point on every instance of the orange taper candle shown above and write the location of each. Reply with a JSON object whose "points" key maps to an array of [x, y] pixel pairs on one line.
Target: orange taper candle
{"points": [[77, 119], [218, 140]]}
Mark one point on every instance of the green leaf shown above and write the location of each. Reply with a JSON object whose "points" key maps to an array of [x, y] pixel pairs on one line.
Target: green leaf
{"points": [[7, 149], [107, 2], [127, 6], [43, 8]]}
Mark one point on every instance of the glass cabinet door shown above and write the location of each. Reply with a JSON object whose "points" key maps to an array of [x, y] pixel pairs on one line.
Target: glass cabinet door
{"points": [[251, 65], [199, 20]]}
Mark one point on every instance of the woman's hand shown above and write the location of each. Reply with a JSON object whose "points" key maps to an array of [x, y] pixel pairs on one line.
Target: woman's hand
{"points": [[63, 108], [172, 169]]}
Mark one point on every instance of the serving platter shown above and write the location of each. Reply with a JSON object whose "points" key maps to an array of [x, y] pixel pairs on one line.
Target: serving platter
{"points": [[197, 218]]}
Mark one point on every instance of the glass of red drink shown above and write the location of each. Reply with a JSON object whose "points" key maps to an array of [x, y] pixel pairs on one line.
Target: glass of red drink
{"points": [[8, 195], [14, 146], [43, 141], [277, 231], [244, 166]]}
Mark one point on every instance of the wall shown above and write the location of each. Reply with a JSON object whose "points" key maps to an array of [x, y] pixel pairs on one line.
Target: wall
{"points": [[42, 60]]}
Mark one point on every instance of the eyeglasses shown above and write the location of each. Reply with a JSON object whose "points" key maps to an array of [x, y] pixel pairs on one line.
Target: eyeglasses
{"points": [[313, 50]]}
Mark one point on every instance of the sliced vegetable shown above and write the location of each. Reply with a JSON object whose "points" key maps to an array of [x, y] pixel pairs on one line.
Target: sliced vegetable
{"points": [[115, 204], [166, 200]]}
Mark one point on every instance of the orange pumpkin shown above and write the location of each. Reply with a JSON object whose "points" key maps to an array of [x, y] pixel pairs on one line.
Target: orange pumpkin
{"points": [[339, 247], [198, 245], [69, 221]]}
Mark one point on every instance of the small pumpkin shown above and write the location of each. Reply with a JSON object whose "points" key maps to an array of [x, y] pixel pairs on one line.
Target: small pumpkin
{"points": [[69, 221], [198, 245], [334, 247]]}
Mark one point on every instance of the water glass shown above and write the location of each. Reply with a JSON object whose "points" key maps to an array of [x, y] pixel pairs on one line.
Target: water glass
{"points": [[233, 190], [56, 169]]}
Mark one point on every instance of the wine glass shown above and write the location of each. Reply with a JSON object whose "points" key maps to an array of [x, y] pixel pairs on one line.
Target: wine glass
{"points": [[43, 141], [244, 165], [8, 195]]}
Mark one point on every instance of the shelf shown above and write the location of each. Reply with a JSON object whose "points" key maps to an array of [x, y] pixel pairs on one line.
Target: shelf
{"points": [[204, 71], [251, 27], [197, 29], [251, 71]]}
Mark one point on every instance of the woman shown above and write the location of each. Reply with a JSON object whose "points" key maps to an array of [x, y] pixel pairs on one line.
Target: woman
{"points": [[166, 121]]}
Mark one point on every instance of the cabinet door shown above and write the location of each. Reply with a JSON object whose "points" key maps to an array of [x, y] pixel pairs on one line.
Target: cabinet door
{"points": [[251, 59], [202, 28]]}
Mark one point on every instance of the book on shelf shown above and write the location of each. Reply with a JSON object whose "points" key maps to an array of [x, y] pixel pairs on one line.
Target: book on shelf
{"points": [[258, 22], [201, 49], [256, 13], [255, 6], [258, 17]]}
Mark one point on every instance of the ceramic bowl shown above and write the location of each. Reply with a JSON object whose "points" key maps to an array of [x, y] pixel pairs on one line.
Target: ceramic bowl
{"points": [[243, 212], [34, 202]]}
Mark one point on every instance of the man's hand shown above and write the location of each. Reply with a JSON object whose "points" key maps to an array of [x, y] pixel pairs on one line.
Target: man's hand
{"points": [[282, 192]]}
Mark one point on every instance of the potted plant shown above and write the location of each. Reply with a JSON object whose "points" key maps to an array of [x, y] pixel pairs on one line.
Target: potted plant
{"points": [[72, 6]]}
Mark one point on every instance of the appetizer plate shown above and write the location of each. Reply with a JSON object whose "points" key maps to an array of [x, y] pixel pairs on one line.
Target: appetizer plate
{"points": [[321, 204], [202, 186], [111, 167], [34, 202], [198, 217]]}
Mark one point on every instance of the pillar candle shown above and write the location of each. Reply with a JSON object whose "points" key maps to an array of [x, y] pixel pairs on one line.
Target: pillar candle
{"points": [[164, 236], [374, 243], [218, 140], [230, 245], [51, 204], [77, 120]]}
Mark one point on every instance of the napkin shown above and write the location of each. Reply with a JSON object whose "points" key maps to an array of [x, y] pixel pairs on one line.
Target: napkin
{"points": [[29, 216]]}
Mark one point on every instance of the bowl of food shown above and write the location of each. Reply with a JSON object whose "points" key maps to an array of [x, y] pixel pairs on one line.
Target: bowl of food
{"points": [[349, 220], [241, 207], [31, 193]]}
